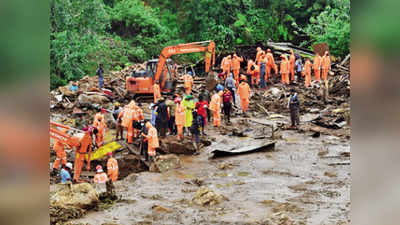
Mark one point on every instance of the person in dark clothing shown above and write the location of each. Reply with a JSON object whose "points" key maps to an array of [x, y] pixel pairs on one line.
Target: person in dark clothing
{"points": [[227, 104], [294, 106], [100, 73], [171, 122], [206, 97], [143, 141], [162, 117], [195, 129], [201, 107], [230, 83]]}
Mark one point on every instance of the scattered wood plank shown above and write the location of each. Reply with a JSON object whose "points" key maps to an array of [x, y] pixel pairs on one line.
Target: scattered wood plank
{"points": [[263, 109], [345, 60]]}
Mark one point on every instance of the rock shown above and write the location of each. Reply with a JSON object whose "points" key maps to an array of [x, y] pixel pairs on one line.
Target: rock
{"points": [[88, 100], [170, 144], [207, 197], [275, 92], [167, 162], [160, 209], [82, 196]]}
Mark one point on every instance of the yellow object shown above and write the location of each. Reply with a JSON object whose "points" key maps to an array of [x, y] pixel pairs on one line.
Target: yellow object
{"points": [[103, 150], [116, 103]]}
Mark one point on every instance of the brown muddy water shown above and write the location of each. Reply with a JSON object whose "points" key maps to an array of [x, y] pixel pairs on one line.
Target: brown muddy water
{"points": [[299, 182]]}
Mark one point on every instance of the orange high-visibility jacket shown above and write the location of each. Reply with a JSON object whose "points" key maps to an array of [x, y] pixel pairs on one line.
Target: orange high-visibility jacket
{"points": [[258, 55], [292, 60], [236, 62], [157, 91], [112, 169], [59, 148], [152, 138], [270, 59], [317, 62], [307, 67], [244, 90], [326, 62], [187, 81], [100, 178], [284, 66], [249, 64], [215, 104], [139, 113], [226, 64], [180, 115]]}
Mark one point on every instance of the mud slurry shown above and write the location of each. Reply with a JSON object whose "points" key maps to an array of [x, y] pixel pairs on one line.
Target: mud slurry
{"points": [[294, 184]]}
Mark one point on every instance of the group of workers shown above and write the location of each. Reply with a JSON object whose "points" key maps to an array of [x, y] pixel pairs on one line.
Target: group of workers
{"points": [[259, 70]]}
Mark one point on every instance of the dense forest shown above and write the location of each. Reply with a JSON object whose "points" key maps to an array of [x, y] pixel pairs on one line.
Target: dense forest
{"points": [[119, 32]]}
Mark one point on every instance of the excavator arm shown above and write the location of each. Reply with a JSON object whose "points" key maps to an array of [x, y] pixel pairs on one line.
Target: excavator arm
{"points": [[205, 46], [62, 136]]}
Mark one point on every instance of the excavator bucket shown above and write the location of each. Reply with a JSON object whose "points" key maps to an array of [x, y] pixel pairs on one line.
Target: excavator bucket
{"points": [[103, 150]]}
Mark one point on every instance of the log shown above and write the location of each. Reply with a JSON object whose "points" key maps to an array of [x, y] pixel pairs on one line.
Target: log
{"points": [[263, 109], [345, 60]]}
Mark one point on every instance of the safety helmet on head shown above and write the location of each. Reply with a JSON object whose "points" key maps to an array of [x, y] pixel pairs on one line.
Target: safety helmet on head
{"points": [[99, 168], [69, 165]]}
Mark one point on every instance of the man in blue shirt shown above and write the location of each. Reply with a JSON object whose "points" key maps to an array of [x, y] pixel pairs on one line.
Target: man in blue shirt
{"points": [[65, 173], [100, 73]]}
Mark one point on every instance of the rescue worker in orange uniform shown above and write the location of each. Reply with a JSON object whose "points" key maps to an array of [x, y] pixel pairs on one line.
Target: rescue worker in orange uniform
{"points": [[263, 70], [270, 63], [112, 167], [139, 116], [292, 60], [258, 54], [100, 177], [156, 91], [254, 72], [284, 70], [100, 124], [179, 117], [188, 82], [85, 148], [215, 107], [326, 65], [244, 93], [131, 116], [236, 60], [317, 67], [152, 140], [61, 156], [226, 66], [307, 73]]}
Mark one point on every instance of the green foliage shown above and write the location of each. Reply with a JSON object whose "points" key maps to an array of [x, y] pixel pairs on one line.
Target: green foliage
{"points": [[332, 26]]}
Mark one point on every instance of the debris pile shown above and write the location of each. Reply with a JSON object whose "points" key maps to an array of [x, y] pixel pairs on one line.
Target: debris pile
{"points": [[207, 197], [164, 163]]}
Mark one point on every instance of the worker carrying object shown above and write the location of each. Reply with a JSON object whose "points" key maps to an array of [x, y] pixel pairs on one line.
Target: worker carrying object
{"points": [[317, 67], [326, 65], [84, 149], [188, 82], [284, 70], [156, 92], [112, 167], [152, 140], [244, 93], [215, 107], [100, 177]]}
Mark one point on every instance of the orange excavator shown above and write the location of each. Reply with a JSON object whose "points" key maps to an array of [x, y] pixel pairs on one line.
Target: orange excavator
{"points": [[141, 82]]}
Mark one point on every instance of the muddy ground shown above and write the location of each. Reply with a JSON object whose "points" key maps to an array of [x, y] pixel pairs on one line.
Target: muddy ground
{"points": [[305, 180]]}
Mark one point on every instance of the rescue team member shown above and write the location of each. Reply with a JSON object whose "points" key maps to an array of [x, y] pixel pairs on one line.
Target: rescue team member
{"points": [[162, 117], [171, 110], [227, 105], [100, 124], [156, 91], [236, 60], [326, 65], [189, 105], [130, 117], [201, 107], [152, 140], [65, 173], [317, 67], [230, 83], [179, 117], [84, 149], [284, 70], [270, 63], [249, 71], [215, 107], [61, 156], [258, 54], [294, 106], [188, 82], [139, 116], [262, 64], [244, 93], [292, 60], [226, 64], [307, 73], [100, 177], [112, 167]]}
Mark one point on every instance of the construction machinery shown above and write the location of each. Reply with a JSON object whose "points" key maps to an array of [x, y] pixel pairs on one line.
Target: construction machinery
{"points": [[141, 82]]}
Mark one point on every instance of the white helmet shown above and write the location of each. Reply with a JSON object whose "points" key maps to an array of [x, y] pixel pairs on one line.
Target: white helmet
{"points": [[69, 165]]}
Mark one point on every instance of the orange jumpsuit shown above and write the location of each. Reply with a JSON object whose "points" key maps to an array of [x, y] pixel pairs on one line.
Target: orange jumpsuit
{"points": [[188, 83], [244, 93], [157, 92], [258, 55], [236, 67], [317, 67], [270, 64], [292, 60], [112, 169], [152, 139], [285, 70], [61, 156], [139, 117], [215, 107], [255, 74], [100, 178], [85, 148], [101, 126], [226, 65], [307, 73], [180, 119], [130, 116], [326, 66]]}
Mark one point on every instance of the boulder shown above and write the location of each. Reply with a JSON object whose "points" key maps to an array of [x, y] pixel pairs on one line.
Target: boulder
{"points": [[88, 100], [206, 197], [167, 162], [170, 144], [82, 196]]}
